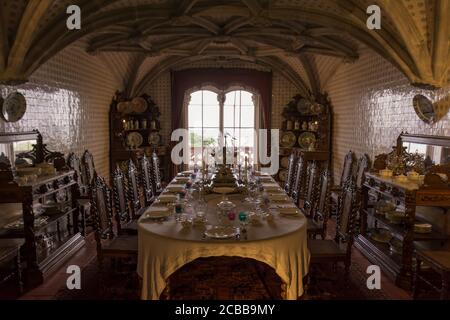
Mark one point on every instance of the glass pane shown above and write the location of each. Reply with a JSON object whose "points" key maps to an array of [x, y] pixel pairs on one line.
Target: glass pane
{"points": [[231, 116], [210, 137], [232, 98], [196, 98], [248, 116], [195, 137], [195, 116], [210, 98], [246, 98], [211, 116], [247, 137]]}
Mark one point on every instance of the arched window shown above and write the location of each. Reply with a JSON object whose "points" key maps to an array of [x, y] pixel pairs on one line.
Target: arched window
{"points": [[215, 116]]}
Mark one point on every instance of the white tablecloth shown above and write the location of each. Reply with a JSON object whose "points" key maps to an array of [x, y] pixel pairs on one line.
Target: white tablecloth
{"points": [[166, 246]]}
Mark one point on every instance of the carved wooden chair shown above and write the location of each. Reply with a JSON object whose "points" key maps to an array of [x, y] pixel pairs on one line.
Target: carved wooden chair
{"points": [[339, 249], [84, 204], [134, 196], [156, 173], [312, 178], [88, 167], [317, 224], [109, 245], [298, 181], [346, 175], [125, 225], [146, 179], [290, 175]]}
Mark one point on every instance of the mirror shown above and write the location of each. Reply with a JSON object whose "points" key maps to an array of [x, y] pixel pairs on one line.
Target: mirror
{"points": [[11, 144], [435, 149], [424, 108]]}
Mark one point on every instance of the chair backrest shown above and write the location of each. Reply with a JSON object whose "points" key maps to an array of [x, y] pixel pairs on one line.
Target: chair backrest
{"points": [[347, 168], [101, 210], [121, 208], [133, 188], [311, 186], [346, 217], [322, 201], [361, 168], [297, 184], [74, 163], [146, 179], [89, 167], [157, 184], [290, 175]]}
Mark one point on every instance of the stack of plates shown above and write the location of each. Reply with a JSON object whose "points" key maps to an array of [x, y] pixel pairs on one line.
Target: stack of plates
{"points": [[422, 227], [164, 198], [155, 212]]}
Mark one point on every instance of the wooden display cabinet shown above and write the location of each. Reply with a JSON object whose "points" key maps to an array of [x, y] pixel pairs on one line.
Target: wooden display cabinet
{"points": [[417, 199]]}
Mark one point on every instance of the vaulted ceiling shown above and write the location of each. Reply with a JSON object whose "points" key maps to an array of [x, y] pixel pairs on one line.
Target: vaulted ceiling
{"points": [[305, 40]]}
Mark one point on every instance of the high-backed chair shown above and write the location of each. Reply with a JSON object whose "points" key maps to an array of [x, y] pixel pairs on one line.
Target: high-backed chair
{"points": [[134, 196], [121, 207], [84, 204], [88, 167], [290, 174], [109, 245], [311, 187], [156, 172], [346, 175], [298, 181], [339, 249], [146, 179], [317, 224]]}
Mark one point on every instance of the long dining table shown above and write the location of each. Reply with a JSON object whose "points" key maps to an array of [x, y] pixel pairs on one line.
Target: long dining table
{"points": [[278, 239]]}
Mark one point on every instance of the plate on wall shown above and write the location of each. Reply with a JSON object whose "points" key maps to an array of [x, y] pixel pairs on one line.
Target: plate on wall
{"points": [[306, 140], [134, 140], [288, 139], [138, 105], [154, 138], [122, 106], [317, 108], [283, 175], [284, 162], [303, 106], [14, 107]]}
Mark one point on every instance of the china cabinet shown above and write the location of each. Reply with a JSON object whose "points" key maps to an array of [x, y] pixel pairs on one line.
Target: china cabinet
{"points": [[41, 209], [135, 130], [402, 213], [305, 131]]}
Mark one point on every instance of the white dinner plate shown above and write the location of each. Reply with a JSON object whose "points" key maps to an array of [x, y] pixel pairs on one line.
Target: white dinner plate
{"points": [[155, 212], [221, 232]]}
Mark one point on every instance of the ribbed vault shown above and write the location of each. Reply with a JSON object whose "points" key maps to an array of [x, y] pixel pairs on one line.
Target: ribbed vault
{"points": [[305, 40]]}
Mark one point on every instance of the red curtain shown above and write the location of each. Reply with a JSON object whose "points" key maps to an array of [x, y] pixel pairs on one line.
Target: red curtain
{"points": [[222, 79]]}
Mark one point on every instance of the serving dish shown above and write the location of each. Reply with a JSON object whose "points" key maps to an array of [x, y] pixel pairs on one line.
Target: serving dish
{"points": [[221, 232], [157, 212], [138, 105], [134, 140], [381, 235], [154, 138]]}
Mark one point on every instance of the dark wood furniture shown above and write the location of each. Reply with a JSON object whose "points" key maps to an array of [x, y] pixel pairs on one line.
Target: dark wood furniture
{"points": [[125, 225], [89, 167], [126, 121], [109, 245], [346, 174], [422, 202], [10, 263], [439, 261], [339, 249], [156, 172], [299, 178], [311, 188], [147, 181], [134, 195], [307, 117], [49, 245], [290, 175], [317, 224]]}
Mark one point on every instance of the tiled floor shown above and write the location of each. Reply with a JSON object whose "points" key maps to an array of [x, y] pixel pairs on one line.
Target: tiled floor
{"points": [[53, 284]]}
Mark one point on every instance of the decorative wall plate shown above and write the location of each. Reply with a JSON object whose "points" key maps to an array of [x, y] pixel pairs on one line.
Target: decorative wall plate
{"points": [[284, 162], [306, 140], [14, 107], [138, 105], [317, 108], [134, 140], [288, 139], [122, 106], [154, 138], [282, 175]]}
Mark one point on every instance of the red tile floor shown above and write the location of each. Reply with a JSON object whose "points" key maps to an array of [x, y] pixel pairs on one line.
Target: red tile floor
{"points": [[57, 281]]}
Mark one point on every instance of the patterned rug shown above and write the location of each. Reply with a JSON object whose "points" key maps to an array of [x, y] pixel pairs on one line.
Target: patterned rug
{"points": [[220, 278]]}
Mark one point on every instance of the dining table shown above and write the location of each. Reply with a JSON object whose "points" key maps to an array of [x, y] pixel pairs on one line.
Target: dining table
{"points": [[276, 236]]}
